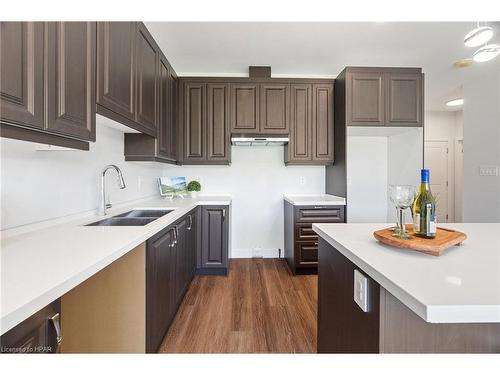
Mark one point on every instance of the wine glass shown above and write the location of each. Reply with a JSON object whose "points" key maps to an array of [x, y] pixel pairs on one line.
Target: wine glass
{"points": [[402, 196]]}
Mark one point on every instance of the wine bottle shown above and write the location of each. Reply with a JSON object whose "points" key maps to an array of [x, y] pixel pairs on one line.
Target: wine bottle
{"points": [[424, 209]]}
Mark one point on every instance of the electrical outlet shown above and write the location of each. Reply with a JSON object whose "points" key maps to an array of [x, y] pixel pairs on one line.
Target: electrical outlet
{"points": [[302, 180], [361, 290], [488, 170], [257, 252], [139, 183]]}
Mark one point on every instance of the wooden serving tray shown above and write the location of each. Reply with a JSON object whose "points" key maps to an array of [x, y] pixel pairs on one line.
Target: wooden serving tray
{"points": [[444, 239]]}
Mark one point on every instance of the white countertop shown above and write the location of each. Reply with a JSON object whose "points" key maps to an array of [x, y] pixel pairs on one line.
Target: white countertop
{"points": [[317, 200], [460, 286], [39, 266]]}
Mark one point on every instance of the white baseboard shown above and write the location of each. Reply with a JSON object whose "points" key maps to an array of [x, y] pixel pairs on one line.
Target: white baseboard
{"points": [[249, 253]]}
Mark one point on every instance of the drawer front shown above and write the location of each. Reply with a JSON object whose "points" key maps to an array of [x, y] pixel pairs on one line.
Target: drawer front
{"points": [[307, 254], [320, 214], [304, 232]]}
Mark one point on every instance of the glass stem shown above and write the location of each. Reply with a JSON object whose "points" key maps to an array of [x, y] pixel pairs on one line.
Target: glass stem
{"points": [[402, 220]]}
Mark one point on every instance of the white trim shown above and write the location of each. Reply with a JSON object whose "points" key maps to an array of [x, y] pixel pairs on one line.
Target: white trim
{"points": [[248, 253]]}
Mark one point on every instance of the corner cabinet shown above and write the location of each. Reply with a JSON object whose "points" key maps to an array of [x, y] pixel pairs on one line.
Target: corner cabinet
{"points": [[212, 256], [127, 75], [384, 96], [48, 82], [204, 133]]}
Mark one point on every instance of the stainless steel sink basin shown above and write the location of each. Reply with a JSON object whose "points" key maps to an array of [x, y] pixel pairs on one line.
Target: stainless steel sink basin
{"points": [[144, 213], [123, 221]]}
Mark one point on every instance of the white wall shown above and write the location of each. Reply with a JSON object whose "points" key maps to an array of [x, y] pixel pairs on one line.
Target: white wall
{"points": [[257, 180], [481, 119], [41, 185]]}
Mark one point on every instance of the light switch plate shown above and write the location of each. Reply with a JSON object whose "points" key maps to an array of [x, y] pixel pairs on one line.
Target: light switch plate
{"points": [[361, 290], [488, 170]]}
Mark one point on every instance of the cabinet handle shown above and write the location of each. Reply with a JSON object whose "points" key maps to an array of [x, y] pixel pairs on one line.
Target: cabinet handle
{"points": [[190, 222], [57, 327], [176, 233], [319, 207], [223, 214]]}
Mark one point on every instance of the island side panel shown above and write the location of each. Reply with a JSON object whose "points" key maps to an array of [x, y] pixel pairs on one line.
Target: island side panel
{"points": [[106, 313], [343, 327], [402, 331]]}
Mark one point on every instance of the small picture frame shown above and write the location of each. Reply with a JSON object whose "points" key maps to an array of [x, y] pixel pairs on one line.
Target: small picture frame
{"points": [[172, 186]]}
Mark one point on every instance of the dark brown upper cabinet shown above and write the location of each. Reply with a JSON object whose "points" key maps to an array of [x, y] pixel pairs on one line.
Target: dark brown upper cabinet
{"points": [[194, 123], [127, 74], [116, 68], [245, 112], [22, 73], [404, 99], [48, 82], [311, 125], [384, 96], [218, 138], [71, 79], [322, 125], [146, 75], [274, 108], [204, 122]]}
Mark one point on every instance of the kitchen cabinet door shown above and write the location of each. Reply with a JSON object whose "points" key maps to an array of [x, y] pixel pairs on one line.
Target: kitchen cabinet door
{"points": [[146, 74], [160, 294], [192, 242], [194, 123], [214, 243], [245, 112], [22, 73], [404, 99], [166, 107], [365, 99], [218, 148], [274, 108], [116, 68], [71, 60], [299, 148], [322, 123]]}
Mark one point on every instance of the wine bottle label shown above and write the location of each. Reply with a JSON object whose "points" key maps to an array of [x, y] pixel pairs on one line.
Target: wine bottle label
{"points": [[432, 225], [416, 222]]}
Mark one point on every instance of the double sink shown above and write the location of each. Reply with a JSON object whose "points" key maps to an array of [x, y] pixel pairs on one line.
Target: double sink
{"points": [[131, 218]]}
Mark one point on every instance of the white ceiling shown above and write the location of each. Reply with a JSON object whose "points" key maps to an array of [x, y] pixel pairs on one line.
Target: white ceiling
{"points": [[323, 49]]}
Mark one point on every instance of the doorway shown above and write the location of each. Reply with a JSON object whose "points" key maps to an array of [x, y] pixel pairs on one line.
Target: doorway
{"points": [[437, 161]]}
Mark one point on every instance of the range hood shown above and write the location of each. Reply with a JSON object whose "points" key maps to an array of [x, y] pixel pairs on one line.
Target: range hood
{"points": [[259, 141]]}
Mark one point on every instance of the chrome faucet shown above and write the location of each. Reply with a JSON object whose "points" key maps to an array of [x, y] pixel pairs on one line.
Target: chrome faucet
{"points": [[121, 185]]}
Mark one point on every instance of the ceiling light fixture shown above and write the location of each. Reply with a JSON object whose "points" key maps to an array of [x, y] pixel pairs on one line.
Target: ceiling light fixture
{"points": [[455, 102], [478, 36], [486, 53]]}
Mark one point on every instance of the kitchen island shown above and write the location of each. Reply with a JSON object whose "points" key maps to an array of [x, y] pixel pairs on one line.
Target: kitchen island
{"points": [[409, 302]]}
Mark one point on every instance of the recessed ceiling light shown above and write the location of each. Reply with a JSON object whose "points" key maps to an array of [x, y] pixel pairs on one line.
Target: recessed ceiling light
{"points": [[455, 102], [478, 36], [486, 53]]}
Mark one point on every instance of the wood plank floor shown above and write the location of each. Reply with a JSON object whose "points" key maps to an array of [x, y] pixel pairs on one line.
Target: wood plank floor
{"points": [[258, 308]]}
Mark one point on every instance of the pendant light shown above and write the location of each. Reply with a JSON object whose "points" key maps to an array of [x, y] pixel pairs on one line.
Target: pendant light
{"points": [[486, 53], [478, 36]]}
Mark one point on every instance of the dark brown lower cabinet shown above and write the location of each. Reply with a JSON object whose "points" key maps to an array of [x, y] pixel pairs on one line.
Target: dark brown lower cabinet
{"points": [[342, 326], [212, 257], [301, 242], [170, 259], [40, 333]]}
